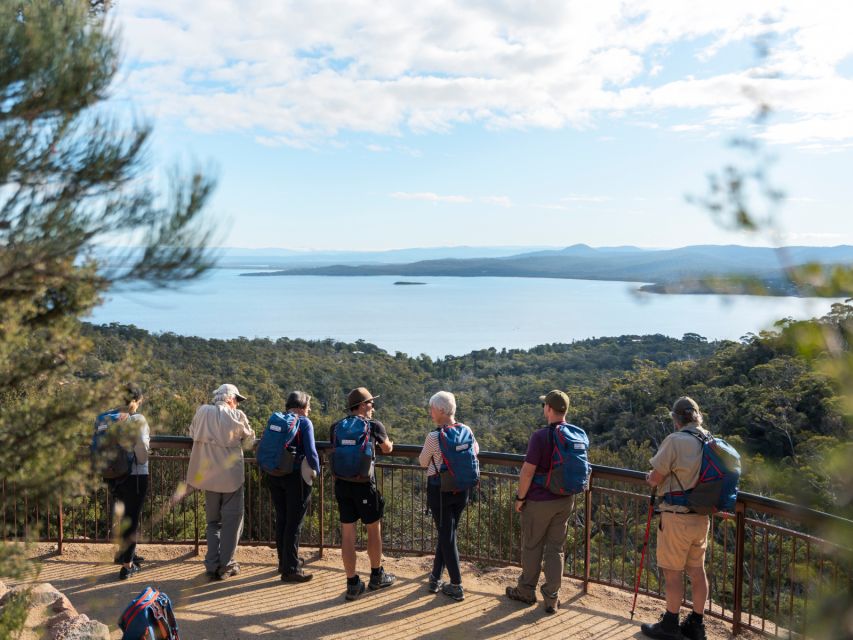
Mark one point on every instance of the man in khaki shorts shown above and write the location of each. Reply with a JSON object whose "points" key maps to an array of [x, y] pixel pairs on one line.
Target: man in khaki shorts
{"points": [[682, 535]]}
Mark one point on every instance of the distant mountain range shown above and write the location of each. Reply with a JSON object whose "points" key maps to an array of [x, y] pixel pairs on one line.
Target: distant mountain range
{"points": [[682, 270]]}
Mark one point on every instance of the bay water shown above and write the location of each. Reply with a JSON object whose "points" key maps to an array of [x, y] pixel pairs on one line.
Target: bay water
{"points": [[444, 316]]}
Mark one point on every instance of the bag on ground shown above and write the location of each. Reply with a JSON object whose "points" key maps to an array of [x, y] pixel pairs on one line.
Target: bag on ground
{"points": [[569, 470], [277, 451], [460, 469], [149, 616], [352, 450], [719, 475], [111, 456]]}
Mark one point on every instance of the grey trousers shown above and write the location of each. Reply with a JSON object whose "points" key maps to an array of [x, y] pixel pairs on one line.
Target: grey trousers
{"points": [[224, 513], [543, 537]]}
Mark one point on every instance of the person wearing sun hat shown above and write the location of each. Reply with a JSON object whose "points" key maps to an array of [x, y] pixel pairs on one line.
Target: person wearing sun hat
{"points": [[220, 432], [359, 498]]}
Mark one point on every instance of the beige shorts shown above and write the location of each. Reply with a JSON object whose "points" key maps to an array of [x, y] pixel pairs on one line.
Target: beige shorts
{"points": [[682, 540]]}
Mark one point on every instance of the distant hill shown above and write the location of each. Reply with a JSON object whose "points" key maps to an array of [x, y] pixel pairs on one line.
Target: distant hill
{"points": [[683, 270]]}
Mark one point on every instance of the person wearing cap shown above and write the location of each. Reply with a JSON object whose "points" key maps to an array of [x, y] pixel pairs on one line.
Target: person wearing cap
{"points": [[362, 501], [682, 535], [544, 515], [127, 495], [220, 432], [291, 494]]}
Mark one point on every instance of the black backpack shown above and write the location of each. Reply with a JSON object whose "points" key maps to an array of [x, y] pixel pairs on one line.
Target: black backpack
{"points": [[111, 457]]}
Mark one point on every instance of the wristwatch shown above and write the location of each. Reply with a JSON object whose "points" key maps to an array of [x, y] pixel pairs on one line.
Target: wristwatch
{"points": [[519, 498]]}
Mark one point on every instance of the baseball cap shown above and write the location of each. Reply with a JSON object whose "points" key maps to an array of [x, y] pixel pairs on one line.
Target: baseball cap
{"points": [[684, 406], [230, 390], [557, 400]]}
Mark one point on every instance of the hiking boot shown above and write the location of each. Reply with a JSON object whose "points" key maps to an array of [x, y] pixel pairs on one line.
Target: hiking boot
{"points": [[354, 590], [229, 571], [381, 579], [453, 590], [665, 629], [552, 601], [124, 573], [514, 594], [692, 628], [296, 576], [434, 585]]}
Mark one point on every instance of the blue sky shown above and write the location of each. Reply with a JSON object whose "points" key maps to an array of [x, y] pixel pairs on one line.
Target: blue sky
{"points": [[380, 125]]}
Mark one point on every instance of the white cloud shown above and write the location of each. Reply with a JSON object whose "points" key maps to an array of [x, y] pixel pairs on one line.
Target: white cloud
{"points": [[427, 196], [302, 73], [430, 197], [501, 201], [576, 197]]}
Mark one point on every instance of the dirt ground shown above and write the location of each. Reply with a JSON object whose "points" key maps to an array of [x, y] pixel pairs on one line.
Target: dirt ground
{"points": [[256, 603]]}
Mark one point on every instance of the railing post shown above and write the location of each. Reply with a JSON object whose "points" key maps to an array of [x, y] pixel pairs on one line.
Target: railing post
{"points": [[587, 535], [61, 533], [322, 457], [740, 535], [195, 511]]}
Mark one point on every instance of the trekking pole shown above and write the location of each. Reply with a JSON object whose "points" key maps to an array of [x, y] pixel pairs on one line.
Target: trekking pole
{"points": [[645, 544]]}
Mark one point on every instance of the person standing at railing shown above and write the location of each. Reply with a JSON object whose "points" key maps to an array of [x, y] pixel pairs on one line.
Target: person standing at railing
{"points": [[545, 507], [220, 432], [289, 490], [127, 494], [354, 439], [682, 534], [447, 505]]}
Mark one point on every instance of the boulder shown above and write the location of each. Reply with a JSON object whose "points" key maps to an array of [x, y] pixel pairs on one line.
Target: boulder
{"points": [[78, 628]]}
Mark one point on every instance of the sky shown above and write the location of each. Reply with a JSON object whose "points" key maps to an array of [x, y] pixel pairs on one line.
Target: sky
{"points": [[371, 124]]}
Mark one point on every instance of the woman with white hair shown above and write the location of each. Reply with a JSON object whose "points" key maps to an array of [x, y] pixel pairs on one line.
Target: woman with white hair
{"points": [[447, 505]]}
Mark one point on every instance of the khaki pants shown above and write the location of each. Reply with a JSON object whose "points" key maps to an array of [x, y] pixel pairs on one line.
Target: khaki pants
{"points": [[543, 537]]}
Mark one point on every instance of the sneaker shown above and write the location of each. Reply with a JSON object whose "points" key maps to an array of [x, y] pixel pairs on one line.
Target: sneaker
{"points": [[296, 576], [692, 629], [229, 571], [212, 575], [138, 560], [663, 629], [514, 594], [453, 590], [125, 573], [434, 585], [300, 562], [355, 590], [381, 580], [551, 609]]}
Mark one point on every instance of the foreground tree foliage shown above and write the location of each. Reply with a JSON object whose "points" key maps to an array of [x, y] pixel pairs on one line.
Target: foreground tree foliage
{"points": [[72, 178]]}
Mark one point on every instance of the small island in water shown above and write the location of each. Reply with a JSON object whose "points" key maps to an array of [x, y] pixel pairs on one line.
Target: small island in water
{"points": [[408, 282]]}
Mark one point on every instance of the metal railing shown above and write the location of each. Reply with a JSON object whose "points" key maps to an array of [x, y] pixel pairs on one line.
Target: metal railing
{"points": [[767, 563]]}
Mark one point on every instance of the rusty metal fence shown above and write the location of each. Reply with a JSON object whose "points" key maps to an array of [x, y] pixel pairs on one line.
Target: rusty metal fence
{"points": [[767, 563]]}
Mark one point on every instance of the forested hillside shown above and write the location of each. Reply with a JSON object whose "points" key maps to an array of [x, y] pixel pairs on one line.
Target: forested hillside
{"points": [[760, 393]]}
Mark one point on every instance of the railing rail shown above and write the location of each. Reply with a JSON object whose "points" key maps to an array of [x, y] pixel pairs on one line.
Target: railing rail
{"points": [[767, 563]]}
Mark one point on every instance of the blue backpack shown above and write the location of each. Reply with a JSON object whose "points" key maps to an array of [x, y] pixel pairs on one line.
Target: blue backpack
{"points": [[352, 450], [460, 469], [149, 616], [109, 456], [569, 470], [719, 475], [277, 453]]}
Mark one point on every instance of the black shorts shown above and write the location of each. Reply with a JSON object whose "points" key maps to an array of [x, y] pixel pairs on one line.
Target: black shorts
{"points": [[359, 501]]}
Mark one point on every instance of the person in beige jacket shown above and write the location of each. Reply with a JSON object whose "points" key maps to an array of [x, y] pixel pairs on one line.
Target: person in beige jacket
{"points": [[220, 432]]}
